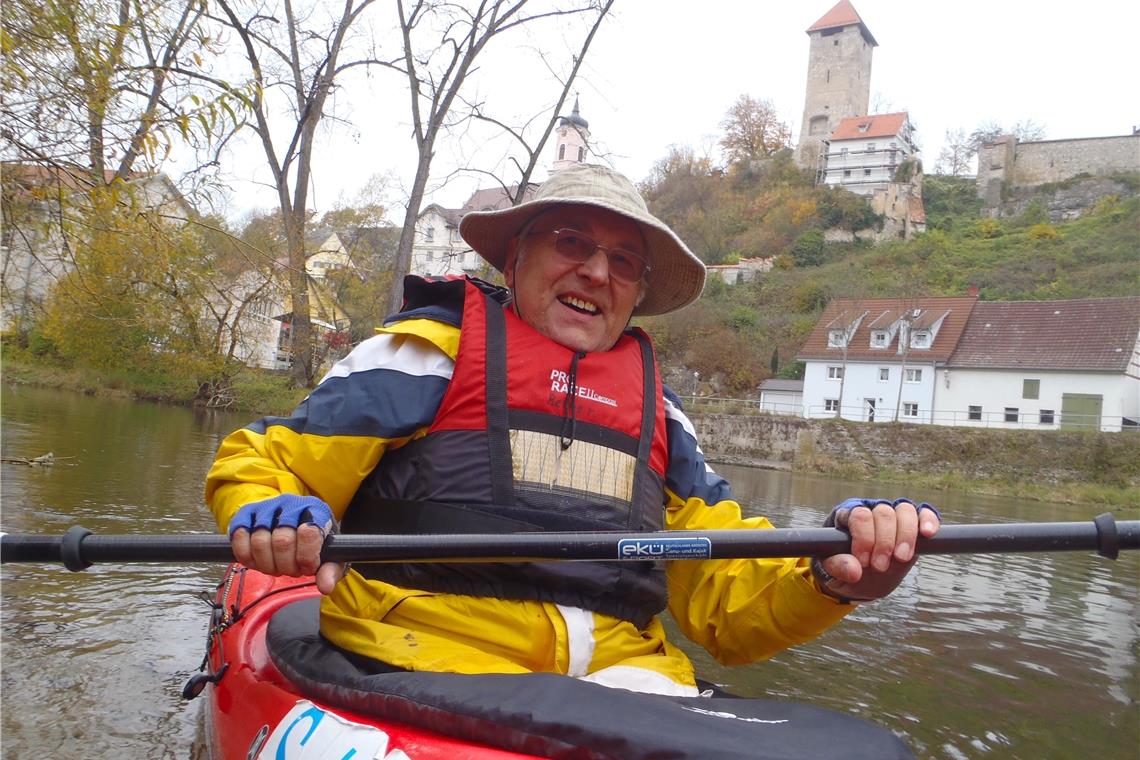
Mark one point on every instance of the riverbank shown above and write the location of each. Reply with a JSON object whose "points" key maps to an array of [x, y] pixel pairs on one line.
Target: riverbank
{"points": [[253, 391], [1075, 468], [1063, 466]]}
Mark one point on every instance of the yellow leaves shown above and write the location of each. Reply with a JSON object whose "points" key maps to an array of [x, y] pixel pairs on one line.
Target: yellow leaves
{"points": [[1044, 232], [803, 210]]}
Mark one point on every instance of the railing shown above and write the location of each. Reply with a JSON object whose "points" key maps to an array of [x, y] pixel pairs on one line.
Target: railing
{"points": [[953, 418], [983, 419]]}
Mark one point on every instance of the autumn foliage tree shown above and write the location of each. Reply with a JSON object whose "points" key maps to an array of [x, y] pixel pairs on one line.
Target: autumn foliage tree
{"points": [[136, 293], [753, 130]]}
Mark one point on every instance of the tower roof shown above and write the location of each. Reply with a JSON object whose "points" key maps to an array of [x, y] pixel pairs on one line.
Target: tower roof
{"points": [[574, 118], [843, 14]]}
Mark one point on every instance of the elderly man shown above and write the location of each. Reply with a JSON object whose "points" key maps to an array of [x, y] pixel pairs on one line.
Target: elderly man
{"points": [[535, 407]]}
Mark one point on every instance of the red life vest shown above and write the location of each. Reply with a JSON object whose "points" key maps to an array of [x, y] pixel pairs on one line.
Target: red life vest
{"points": [[530, 435]]}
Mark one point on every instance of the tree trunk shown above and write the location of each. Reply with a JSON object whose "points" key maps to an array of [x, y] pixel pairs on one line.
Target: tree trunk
{"points": [[301, 370], [408, 234]]}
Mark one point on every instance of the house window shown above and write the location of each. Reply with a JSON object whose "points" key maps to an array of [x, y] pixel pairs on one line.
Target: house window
{"points": [[910, 409], [846, 172], [1030, 388], [975, 413], [1011, 414], [1046, 416], [831, 405], [843, 151], [920, 339], [878, 338], [836, 338], [429, 235], [834, 373], [866, 172], [913, 375], [870, 146], [561, 151], [581, 154], [884, 374]]}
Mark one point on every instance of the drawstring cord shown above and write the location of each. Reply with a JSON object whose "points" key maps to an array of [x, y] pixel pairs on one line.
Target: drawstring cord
{"points": [[569, 420]]}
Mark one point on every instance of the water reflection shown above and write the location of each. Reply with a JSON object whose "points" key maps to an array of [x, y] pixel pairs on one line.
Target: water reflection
{"points": [[1011, 656], [974, 655]]}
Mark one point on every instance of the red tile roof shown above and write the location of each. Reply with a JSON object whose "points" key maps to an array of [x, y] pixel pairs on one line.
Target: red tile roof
{"points": [[843, 14], [495, 198], [882, 312], [877, 125], [1094, 334]]}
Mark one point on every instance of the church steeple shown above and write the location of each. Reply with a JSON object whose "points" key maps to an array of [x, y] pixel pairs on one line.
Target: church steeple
{"points": [[572, 143]]}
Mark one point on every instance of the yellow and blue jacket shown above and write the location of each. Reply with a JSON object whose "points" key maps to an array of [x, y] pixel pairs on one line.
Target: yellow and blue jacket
{"points": [[387, 394]]}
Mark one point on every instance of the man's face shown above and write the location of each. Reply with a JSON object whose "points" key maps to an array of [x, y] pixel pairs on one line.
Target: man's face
{"points": [[579, 305]]}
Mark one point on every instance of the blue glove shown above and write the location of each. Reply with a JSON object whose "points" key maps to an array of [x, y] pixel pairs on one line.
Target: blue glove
{"points": [[285, 511], [848, 504]]}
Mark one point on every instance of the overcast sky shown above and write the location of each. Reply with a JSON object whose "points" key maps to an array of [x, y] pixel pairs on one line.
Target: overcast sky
{"points": [[664, 72]]}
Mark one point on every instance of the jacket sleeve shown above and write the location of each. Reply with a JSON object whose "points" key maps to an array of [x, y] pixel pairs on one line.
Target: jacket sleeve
{"points": [[740, 610], [384, 393]]}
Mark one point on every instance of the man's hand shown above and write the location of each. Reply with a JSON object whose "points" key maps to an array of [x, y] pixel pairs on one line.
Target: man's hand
{"points": [[883, 539], [283, 536]]}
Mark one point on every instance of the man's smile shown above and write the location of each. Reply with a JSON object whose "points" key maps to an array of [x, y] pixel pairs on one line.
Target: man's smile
{"points": [[578, 304]]}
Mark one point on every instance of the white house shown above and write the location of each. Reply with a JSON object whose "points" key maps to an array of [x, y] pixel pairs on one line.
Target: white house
{"points": [[956, 361], [875, 359], [1046, 365], [439, 250], [863, 153]]}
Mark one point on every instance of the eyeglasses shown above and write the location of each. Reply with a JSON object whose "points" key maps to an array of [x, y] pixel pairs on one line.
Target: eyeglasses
{"points": [[578, 247]]}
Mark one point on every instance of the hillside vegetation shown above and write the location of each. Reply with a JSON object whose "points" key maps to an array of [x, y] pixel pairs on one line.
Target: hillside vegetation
{"points": [[738, 335]]}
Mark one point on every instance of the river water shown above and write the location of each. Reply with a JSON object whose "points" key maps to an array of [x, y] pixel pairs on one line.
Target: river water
{"points": [[998, 656]]}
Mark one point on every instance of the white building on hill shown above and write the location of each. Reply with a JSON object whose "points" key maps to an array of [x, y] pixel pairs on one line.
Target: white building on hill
{"points": [[864, 152]]}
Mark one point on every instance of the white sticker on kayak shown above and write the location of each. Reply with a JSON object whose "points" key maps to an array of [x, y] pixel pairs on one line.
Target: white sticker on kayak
{"points": [[308, 732], [664, 548]]}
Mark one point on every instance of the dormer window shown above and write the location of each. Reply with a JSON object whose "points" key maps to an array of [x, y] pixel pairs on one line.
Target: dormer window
{"points": [[920, 339], [879, 338], [836, 338]]}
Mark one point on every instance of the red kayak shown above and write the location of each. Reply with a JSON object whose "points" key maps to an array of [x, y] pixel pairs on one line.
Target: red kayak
{"points": [[275, 689], [254, 711]]}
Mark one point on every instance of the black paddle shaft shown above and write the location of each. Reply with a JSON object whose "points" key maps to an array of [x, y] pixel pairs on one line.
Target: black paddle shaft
{"points": [[79, 548]]}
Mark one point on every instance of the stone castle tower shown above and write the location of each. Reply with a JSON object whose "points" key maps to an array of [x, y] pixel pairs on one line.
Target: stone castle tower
{"points": [[838, 78], [572, 140]]}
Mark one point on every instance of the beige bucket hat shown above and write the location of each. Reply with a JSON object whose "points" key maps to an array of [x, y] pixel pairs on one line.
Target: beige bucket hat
{"points": [[676, 275]]}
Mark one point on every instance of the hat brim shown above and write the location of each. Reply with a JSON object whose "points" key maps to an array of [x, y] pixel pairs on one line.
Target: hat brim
{"points": [[676, 276]]}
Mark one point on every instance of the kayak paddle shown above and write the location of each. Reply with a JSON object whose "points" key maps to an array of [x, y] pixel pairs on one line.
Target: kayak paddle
{"points": [[79, 548]]}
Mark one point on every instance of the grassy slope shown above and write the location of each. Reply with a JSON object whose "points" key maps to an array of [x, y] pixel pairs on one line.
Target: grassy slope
{"points": [[1096, 256]]}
